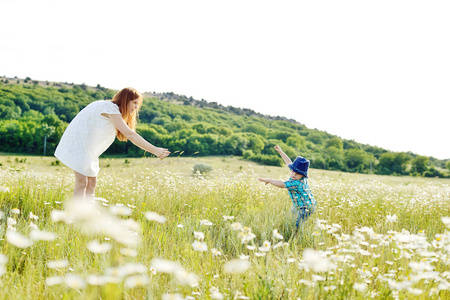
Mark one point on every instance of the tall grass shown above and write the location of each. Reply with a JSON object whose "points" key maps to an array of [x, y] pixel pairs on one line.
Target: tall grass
{"points": [[371, 236]]}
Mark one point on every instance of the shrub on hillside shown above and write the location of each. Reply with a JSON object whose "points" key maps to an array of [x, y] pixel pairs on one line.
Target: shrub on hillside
{"points": [[202, 169], [432, 172]]}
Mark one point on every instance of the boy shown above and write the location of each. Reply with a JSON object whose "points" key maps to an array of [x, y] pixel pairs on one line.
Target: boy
{"points": [[303, 201]]}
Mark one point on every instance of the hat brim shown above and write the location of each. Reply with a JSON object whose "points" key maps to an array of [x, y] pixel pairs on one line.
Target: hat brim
{"points": [[293, 168]]}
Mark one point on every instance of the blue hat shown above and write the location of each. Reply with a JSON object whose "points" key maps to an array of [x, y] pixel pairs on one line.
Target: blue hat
{"points": [[300, 166]]}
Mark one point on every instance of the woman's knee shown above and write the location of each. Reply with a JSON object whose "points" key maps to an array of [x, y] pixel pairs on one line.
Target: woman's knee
{"points": [[91, 182], [81, 182]]}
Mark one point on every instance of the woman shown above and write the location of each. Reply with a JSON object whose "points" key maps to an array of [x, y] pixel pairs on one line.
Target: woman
{"points": [[93, 130]]}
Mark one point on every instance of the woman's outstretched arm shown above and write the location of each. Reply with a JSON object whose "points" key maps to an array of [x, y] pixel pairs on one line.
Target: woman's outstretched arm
{"points": [[135, 138]]}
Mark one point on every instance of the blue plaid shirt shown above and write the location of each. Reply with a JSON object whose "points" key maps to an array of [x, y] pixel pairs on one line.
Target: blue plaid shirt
{"points": [[300, 193]]}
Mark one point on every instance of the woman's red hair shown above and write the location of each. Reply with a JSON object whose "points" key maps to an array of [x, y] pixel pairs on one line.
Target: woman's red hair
{"points": [[121, 99]]}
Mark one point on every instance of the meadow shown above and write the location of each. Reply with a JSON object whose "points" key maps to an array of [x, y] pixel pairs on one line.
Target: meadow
{"points": [[156, 231]]}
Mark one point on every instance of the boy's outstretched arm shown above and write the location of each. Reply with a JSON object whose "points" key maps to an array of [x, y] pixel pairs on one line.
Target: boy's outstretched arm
{"points": [[274, 182], [283, 155]]}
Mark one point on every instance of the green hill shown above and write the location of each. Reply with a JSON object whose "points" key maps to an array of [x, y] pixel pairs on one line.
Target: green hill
{"points": [[33, 111]]}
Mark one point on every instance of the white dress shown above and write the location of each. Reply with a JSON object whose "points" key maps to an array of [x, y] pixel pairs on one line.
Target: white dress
{"points": [[87, 137]]}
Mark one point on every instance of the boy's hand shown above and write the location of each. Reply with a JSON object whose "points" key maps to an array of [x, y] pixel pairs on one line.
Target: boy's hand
{"points": [[278, 149], [283, 155], [266, 181], [277, 183]]}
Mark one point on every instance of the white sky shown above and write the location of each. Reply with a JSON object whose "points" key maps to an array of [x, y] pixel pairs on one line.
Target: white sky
{"points": [[377, 72]]}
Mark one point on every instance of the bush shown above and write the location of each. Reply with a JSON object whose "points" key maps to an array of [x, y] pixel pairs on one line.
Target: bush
{"points": [[202, 168], [248, 154], [318, 162], [432, 172]]}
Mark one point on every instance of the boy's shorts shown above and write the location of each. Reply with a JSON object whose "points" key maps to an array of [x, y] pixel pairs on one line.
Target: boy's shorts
{"points": [[301, 214]]}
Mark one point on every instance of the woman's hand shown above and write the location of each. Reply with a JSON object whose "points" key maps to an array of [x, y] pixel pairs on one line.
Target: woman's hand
{"points": [[161, 152]]}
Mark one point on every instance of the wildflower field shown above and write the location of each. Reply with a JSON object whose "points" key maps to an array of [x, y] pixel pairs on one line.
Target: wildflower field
{"points": [[156, 231]]}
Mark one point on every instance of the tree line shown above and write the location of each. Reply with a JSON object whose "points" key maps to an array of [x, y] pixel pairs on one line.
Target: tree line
{"points": [[31, 112]]}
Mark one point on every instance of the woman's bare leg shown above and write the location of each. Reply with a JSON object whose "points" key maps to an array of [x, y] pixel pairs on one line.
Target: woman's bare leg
{"points": [[90, 189], [81, 183]]}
